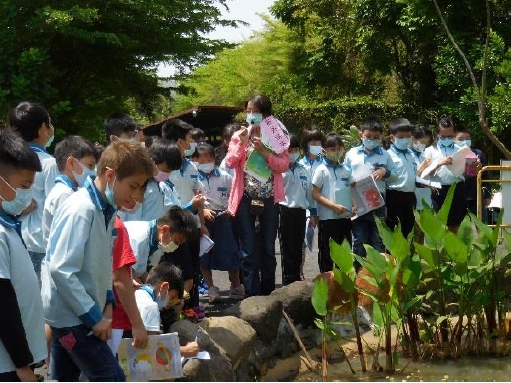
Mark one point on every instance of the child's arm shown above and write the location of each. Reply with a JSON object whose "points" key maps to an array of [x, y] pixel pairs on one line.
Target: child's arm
{"points": [[190, 350]]}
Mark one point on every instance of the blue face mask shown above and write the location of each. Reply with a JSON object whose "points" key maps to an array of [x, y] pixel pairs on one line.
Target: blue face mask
{"points": [[50, 141], [19, 203], [403, 143], [109, 192], [370, 144], [293, 157], [86, 172], [254, 118], [189, 152], [462, 143], [446, 142]]}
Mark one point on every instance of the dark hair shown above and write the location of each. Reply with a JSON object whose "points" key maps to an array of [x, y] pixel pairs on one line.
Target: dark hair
{"points": [[99, 150], [263, 103], [118, 123], [310, 135], [229, 130], [26, 119], [400, 125], [73, 146], [293, 141], [167, 272], [332, 139], [175, 129], [179, 220], [372, 124], [204, 147], [198, 134], [444, 123], [15, 154], [460, 128], [165, 151], [420, 131]]}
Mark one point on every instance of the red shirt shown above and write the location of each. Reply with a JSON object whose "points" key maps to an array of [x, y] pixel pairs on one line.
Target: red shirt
{"points": [[123, 256]]}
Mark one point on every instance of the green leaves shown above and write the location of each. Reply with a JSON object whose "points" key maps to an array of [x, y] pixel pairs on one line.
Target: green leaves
{"points": [[320, 296]]}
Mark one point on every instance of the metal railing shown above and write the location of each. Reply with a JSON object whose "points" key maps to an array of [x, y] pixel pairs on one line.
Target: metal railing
{"points": [[480, 182]]}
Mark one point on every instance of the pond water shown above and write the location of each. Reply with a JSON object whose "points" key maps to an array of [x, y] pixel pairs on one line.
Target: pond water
{"points": [[467, 369]]}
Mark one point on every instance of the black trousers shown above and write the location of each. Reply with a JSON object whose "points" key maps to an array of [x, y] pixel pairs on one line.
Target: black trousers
{"points": [[400, 206], [291, 235], [338, 230], [458, 208]]}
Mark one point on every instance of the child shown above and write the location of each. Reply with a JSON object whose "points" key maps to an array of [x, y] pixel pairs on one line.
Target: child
{"points": [[401, 186], [121, 126], [22, 341], [369, 158], [421, 138], [76, 159], [297, 191], [163, 290], [32, 122], [441, 153], [77, 270], [215, 185], [331, 188]]}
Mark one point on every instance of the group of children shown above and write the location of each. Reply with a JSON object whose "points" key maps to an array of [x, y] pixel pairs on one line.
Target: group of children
{"points": [[111, 240]]}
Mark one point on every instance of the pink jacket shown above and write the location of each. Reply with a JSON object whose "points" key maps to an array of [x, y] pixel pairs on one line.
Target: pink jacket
{"points": [[236, 158]]}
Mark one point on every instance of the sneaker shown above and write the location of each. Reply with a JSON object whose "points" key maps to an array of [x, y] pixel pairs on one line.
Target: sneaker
{"points": [[203, 288], [237, 292], [214, 294]]}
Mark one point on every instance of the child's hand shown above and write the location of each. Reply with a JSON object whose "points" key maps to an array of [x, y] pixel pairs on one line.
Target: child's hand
{"points": [[190, 350], [140, 337], [209, 215], [30, 208], [426, 162], [25, 374], [445, 161], [103, 329], [339, 209], [379, 173], [313, 220], [198, 201]]}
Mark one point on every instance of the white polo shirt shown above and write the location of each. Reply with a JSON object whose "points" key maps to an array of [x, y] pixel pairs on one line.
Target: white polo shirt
{"points": [[297, 188], [405, 170], [443, 174], [216, 187]]}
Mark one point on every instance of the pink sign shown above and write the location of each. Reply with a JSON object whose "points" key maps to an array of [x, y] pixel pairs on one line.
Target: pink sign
{"points": [[274, 134]]}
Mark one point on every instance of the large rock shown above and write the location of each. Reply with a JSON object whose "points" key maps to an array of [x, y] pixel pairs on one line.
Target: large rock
{"points": [[263, 313], [296, 302], [235, 336]]}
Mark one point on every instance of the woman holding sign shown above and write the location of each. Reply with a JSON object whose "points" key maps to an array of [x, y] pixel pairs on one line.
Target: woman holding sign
{"points": [[259, 155]]}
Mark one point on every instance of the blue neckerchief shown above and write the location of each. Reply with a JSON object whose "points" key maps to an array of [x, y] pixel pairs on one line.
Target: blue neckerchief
{"points": [[311, 161], [202, 176], [153, 242], [11, 222], [66, 181], [170, 184], [377, 150], [36, 147], [149, 290], [332, 165], [444, 148], [97, 199], [184, 165], [397, 150]]}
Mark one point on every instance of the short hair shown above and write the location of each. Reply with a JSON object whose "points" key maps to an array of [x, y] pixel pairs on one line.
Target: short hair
{"points": [[118, 123], [15, 154], [164, 151], [372, 124], [73, 146], [309, 135], [444, 123], [175, 129], [332, 139], [126, 158], [229, 130], [420, 131], [167, 272], [198, 134], [180, 221], [293, 141], [400, 125], [263, 103], [460, 128], [206, 148], [26, 119], [99, 149]]}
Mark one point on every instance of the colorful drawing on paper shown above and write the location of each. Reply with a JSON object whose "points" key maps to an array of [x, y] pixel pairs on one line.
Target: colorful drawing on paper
{"points": [[161, 359], [366, 196]]}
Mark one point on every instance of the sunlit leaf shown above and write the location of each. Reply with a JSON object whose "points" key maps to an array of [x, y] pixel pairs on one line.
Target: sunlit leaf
{"points": [[429, 255], [443, 213], [341, 256], [320, 296]]}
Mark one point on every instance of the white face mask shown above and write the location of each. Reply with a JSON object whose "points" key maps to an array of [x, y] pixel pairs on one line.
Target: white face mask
{"points": [[20, 202], [133, 210], [419, 146], [315, 150], [168, 248], [162, 302], [207, 168], [86, 172]]}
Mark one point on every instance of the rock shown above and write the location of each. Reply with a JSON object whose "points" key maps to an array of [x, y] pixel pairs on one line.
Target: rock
{"points": [[235, 336], [263, 313], [296, 301]]}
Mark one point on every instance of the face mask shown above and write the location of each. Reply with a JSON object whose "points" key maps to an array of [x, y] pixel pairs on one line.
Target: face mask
{"points": [[419, 146], [189, 152], [403, 143], [132, 210], [81, 178], [254, 118], [162, 302], [446, 142], [370, 144], [207, 168], [462, 143], [19, 203], [109, 192], [335, 156], [293, 157], [161, 176], [315, 150], [168, 248]]}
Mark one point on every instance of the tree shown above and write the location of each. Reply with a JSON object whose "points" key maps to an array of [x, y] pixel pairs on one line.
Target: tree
{"points": [[84, 60]]}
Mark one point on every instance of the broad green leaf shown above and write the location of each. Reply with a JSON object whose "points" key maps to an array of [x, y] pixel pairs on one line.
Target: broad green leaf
{"points": [[377, 259], [385, 233], [319, 324], [320, 296], [465, 231], [443, 213], [429, 255], [400, 246], [344, 280], [441, 319], [431, 225], [482, 228], [377, 315], [393, 273], [341, 256], [455, 248], [507, 239]]}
